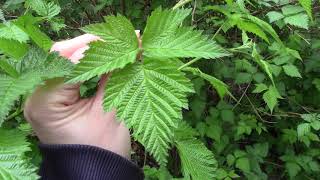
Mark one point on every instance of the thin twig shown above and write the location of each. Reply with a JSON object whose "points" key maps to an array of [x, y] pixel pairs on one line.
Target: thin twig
{"points": [[257, 113], [245, 91]]}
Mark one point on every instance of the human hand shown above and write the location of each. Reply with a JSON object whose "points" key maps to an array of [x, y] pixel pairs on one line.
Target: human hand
{"points": [[59, 116]]}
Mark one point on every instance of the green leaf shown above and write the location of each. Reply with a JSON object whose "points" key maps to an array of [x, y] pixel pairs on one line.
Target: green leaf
{"points": [[196, 160], [303, 129], [163, 38], [19, 51], [271, 97], [299, 20], [260, 88], [291, 70], [307, 5], [10, 31], [274, 16], [14, 165], [6, 67], [219, 85], [161, 24], [243, 164], [118, 48], [29, 25], [291, 10], [266, 27], [36, 67], [253, 28], [316, 83], [2, 16], [43, 8], [184, 42], [263, 64], [293, 169], [150, 101]]}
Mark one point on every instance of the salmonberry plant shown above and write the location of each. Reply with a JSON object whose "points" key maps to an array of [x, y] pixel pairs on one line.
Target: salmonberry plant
{"points": [[196, 110]]}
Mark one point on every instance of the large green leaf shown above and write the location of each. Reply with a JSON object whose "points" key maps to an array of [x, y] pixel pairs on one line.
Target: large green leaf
{"points": [[14, 165], [118, 47], [163, 38], [149, 97]]}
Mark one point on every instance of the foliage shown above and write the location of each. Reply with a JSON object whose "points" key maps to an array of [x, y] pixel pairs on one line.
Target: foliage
{"points": [[249, 110]]}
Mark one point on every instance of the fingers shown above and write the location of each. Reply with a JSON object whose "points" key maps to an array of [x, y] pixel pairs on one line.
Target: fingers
{"points": [[68, 47]]}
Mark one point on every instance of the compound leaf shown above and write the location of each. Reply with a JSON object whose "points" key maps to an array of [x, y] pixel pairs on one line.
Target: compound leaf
{"points": [[149, 97]]}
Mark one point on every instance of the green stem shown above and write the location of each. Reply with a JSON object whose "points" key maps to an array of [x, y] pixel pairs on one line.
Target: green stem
{"points": [[15, 114], [189, 63], [181, 3]]}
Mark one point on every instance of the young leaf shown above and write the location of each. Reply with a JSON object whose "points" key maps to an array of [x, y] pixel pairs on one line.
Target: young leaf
{"points": [[149, 97], [271, 97], [266, 27], [163, 38], [14, 165], [119, 47], [253, 28], [196, 160], [291, 70]]}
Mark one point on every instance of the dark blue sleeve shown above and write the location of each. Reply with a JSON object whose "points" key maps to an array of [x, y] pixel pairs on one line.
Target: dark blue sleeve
{"points": [[82, 162]]}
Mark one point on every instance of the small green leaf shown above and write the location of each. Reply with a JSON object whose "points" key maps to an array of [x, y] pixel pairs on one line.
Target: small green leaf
{"points": [[291, 70], [271, 97], [293, 169], [260, 88], [303, 129], [243, 164], [274, 16]]}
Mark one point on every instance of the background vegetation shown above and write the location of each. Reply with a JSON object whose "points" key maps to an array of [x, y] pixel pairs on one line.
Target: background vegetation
{"points": [[263, 123]]}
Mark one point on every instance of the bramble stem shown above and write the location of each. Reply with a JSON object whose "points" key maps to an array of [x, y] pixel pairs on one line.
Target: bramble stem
{"points": [[181, 3]]}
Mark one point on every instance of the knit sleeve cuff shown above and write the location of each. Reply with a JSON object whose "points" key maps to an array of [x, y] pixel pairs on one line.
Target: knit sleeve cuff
{"points": [[84, 162]]}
